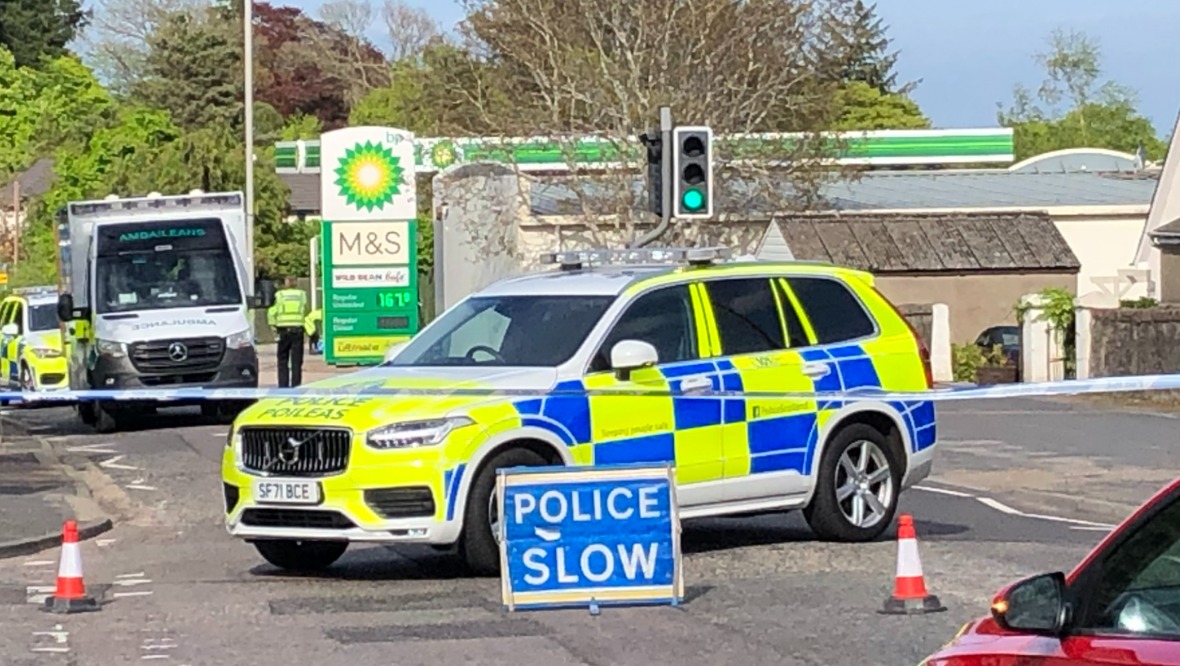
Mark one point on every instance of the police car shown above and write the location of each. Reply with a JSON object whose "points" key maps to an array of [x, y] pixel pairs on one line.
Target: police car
{"points": [[710, 341], [30, 341]]}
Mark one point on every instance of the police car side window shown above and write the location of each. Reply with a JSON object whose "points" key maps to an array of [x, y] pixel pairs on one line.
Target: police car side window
{"points": [[18, 317], [835, 314], [746, 315], [662, 318]]}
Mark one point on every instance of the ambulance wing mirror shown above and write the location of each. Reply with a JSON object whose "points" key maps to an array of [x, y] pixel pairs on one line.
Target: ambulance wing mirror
{"points": [[10, 330], [629, 355], [65, 307], [264, 294]]}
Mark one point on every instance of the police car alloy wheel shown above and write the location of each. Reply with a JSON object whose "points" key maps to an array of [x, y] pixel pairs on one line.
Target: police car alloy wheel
{"points": [[478, 544], [856, 486]]}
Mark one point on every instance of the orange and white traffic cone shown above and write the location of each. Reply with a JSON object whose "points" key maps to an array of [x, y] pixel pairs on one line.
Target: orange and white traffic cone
{"points": [[70, 595], [909, 588]]}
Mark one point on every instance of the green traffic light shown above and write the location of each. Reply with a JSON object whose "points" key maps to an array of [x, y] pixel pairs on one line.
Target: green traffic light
{"points": [[693, 200]]}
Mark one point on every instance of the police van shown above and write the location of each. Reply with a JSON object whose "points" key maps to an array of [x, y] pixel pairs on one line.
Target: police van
{"points": [[640, 356]]}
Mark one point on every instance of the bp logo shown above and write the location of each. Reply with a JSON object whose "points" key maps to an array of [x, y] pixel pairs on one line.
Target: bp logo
{"points": [[369, 176], [443, 154]]}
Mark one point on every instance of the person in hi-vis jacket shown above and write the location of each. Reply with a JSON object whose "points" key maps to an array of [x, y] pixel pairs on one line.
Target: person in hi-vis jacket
{"points": [[286, 317]]}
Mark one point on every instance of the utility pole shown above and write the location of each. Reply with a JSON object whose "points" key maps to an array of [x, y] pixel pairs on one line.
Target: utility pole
{"points": [[248, 61], [16, 225]]}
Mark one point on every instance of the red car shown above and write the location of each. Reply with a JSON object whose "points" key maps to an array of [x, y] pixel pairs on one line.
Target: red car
{"points": [[1121, 605]]}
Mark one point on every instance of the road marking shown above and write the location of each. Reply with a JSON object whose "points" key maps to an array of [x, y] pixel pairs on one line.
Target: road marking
{"points": [[1087, 528], [131, 575], [141, 593], [138, 484], [38, 563], [219, 434], [37, 594], [113, 463], [991, 503], [998, 506], [103, 543], [944, 491], [93, 448], [130, 583], [61, 638]]}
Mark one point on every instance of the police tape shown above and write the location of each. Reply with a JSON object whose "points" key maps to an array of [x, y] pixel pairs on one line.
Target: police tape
{"points": [[376, 388]]}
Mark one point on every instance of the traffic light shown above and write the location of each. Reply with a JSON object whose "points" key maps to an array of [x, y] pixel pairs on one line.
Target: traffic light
{"points": [[692, 172], [655, 177]]}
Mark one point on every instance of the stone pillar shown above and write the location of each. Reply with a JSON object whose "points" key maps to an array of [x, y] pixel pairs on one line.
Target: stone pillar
{"points": [[940, 343]]}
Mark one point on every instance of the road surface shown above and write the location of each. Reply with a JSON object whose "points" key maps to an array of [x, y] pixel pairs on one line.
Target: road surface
{"points": [[1018, 488]]}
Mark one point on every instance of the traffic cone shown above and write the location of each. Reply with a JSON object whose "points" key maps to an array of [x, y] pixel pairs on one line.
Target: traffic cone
{"points": [[909, 588], [70, 596]]}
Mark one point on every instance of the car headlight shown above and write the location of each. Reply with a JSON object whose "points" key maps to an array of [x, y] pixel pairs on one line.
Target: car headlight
{"points": [[111, 348], [240, 340], [45, 352], [413, 434]]}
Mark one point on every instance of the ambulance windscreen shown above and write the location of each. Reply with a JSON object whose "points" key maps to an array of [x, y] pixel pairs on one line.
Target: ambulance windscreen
{"points": [[164, 264]]}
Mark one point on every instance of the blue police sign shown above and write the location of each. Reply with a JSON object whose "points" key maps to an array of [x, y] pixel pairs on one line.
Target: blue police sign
{"points": [[589, 536]]}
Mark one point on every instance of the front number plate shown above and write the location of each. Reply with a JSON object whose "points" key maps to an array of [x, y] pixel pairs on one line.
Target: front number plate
{"points": [[286, 492]]}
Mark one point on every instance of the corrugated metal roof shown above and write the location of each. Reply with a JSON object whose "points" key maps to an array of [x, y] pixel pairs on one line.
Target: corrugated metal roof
{"points": [[885, 190]]}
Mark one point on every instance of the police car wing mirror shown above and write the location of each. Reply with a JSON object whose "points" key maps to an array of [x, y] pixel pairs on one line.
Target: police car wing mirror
{"points": [[10, 330], [629, 355], [65, 307], [393, 350]]}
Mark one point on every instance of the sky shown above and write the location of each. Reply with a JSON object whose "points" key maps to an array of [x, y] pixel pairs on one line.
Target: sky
{"points": [[968, 54]]}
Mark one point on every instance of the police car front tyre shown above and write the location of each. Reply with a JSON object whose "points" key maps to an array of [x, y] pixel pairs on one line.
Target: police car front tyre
{"points": [[857, 486], [301, 555], [478, 543]]}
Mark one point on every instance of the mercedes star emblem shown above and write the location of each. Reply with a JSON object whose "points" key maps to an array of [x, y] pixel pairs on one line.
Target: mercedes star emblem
{"points": [[177, 352]]}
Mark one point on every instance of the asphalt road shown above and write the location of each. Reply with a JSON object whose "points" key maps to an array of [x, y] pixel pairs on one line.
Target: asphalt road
{"points": [[1018, 489]]}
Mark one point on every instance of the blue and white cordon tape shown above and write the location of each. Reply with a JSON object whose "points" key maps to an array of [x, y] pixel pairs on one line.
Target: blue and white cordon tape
{"points": [[371, 390]]}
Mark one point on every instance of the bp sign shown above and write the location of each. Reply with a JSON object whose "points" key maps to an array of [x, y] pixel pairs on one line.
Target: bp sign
{"points": [[369, 242]]}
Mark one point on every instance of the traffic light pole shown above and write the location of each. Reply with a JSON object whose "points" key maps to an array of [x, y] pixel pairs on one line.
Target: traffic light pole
{"points": [[666, 202]]}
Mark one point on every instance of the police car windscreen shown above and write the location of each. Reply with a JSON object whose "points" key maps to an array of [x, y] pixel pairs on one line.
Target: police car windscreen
{"points": [[43, 317], [164, 264], [522, 331]]}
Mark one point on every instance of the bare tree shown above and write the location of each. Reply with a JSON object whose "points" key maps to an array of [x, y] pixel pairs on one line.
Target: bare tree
{"points": [[566, 68], [346, 48], [115, 43], [410, 29]]}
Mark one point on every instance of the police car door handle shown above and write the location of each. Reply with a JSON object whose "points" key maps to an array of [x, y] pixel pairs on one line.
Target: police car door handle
{"points": [[816, 369], [696, 385]]}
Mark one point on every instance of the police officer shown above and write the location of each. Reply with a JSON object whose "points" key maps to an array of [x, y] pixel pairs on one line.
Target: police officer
{"points": [[286, 316]]}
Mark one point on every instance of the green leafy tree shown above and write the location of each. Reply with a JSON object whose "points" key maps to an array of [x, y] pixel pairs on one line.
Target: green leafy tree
{"points": [[194, 70], [299, 126], [865, 108], [34, 30], [1074, 107], [41, 109]]}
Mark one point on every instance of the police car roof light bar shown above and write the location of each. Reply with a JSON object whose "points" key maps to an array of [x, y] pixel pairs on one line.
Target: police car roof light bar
{"points": [[35, 291], [695, 256]]}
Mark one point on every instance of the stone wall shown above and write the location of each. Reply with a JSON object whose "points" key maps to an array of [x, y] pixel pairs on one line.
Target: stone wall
{"points": [[921, 317], [1128, 341]]}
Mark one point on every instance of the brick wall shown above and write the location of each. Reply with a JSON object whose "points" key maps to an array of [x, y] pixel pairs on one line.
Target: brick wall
{"points": [[1128, 341]]}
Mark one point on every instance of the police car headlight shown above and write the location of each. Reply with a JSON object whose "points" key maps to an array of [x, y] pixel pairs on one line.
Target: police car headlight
{"points": [[414, 434], [45, 352], [240, 340], [111, 348]]}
